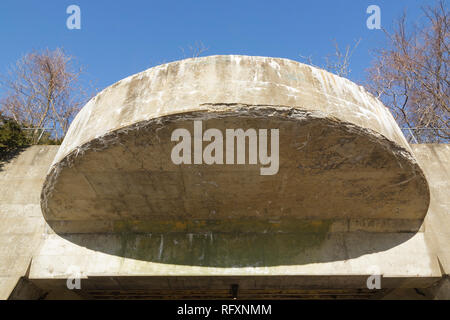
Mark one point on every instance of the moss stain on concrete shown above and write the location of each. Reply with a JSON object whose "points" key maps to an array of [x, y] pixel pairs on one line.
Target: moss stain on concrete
{"points": [[269, 243]]}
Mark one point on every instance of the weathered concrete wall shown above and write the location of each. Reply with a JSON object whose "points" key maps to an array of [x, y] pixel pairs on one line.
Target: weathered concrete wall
{"points": [[351, 254], [21, 222], [412, 263], [435, 161]]}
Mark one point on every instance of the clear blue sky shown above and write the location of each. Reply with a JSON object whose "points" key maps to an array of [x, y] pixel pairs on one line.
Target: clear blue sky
{"points": [[119, 38]]}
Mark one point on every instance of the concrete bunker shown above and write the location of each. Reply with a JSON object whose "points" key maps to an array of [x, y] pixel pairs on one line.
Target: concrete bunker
{"points": [[344, 164]]}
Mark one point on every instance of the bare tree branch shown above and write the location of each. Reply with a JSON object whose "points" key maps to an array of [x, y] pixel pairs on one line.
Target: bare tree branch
{"points": [[43, 89], [337, 63], [411, 75], [195, 50]]}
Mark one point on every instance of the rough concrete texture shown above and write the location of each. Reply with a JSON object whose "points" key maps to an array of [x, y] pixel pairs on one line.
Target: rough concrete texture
{"points": [[320, 265], [192, 235], [435, 160], [351, 254], [343, 159], [21, 220], [335, 264]]}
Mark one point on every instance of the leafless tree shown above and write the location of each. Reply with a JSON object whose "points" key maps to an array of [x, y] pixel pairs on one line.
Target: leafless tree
{"points": [[43, 90], [411, 75], [337, 63], [195, 50]]}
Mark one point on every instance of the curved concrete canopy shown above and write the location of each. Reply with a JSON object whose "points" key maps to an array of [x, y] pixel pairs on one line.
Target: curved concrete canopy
{"points": [[341, 154]]}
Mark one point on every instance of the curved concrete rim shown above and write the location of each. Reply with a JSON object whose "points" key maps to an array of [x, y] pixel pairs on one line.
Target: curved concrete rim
{"points": [[394, 133]]}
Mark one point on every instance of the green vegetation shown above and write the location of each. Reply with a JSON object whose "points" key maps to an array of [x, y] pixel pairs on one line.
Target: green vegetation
{"points": [[15, 136], [12, 137]]}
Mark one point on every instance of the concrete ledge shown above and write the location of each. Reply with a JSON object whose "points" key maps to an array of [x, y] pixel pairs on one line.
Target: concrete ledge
{"points": [[395, 255]]}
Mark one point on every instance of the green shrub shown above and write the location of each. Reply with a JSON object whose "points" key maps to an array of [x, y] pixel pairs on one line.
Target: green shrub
{"points": [[12, 137]]}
